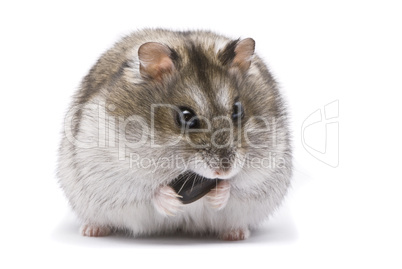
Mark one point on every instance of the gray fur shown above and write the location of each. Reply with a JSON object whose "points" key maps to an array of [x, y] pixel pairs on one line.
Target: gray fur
{"points": [[97, 178]]}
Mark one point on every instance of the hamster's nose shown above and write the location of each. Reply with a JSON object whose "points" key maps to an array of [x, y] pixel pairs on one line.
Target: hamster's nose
{"points": [[220, 173]]}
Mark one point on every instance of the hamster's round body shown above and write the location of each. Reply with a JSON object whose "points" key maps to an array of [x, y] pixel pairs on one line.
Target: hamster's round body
{"points": [[160, 104]]}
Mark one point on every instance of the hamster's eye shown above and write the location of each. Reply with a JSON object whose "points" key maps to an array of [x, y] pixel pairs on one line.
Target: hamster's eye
{"points": [[238, 111], [187, 118]]}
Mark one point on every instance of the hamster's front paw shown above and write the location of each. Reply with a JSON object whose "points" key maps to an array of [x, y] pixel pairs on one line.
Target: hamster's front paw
{"points": [[166, 201], [219, 196], [94, 230], [235, 234]]}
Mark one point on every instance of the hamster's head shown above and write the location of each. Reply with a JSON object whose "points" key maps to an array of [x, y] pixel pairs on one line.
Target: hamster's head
{"points": [[202, 104]]}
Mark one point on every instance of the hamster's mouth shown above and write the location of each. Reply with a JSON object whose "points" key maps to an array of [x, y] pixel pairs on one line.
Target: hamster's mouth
{"points": [[191, 186]]}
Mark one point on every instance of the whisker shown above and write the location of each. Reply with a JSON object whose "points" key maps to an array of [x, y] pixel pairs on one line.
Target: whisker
{"points": [[195, 178], [188, 178]]}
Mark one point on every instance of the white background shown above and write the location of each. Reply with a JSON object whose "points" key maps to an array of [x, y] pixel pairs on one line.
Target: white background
{"points": [[344, 217]]}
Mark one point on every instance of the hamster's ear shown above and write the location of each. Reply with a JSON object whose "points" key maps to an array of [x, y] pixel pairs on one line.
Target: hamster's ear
{"points": [[238, 54], [155, 60]]}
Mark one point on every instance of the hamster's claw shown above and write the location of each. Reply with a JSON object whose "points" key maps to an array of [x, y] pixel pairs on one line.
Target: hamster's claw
{"points": [[166, 201], [95, 231], [219, 196], [235, 234]]}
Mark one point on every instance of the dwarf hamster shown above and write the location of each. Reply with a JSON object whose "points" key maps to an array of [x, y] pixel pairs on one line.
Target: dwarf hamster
{"points": [[160, 104]]}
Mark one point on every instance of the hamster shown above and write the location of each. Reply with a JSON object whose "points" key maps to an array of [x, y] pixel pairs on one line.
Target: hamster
{"points": [[160, 104]]}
